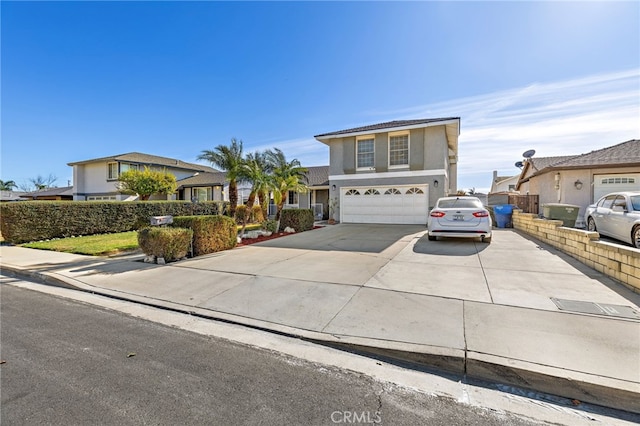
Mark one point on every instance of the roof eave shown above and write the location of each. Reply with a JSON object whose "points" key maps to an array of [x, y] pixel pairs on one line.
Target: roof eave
{"points": [[453, 121]]}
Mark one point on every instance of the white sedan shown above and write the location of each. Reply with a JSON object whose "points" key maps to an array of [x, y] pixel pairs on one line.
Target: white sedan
{"points": [[616, 215], [459, 217]]}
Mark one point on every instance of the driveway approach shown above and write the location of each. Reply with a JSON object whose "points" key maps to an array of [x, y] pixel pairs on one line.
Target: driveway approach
{"points": [[481, 309]]}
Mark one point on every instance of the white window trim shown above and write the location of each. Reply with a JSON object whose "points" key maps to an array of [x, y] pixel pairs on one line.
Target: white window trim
{"points": [[366, 137], [109, 178], [389, 136]]}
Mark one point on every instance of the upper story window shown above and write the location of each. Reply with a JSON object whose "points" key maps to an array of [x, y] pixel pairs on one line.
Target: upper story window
{"points": [[366, 150], [112, 171], [398, 149], [127, 166]]}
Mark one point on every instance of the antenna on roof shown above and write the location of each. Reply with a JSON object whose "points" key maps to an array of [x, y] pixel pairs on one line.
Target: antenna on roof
{"points": [[530, 153], [519, 164]]}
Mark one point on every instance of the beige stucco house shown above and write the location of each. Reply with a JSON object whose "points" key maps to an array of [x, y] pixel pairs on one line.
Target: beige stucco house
{"points": [[97, 179], [582, 179], [392, 172], [503, 183]]}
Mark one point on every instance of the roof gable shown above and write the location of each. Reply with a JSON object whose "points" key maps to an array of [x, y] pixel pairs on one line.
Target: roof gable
{"points": [[155, 160], [203, 179]]}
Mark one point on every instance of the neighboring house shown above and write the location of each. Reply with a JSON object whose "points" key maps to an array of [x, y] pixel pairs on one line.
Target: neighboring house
{"points": [[50, 194], [6, 196], [392, 172], [503, 183], [97, 179], [208, 186], [317, 198], [582, 179]]}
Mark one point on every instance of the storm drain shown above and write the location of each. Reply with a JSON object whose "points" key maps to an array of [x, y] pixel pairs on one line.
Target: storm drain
{"points": [[596, 308]]}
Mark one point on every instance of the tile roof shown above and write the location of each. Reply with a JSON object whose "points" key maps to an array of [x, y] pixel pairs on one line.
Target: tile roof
{"points": [[204, 179], [387, 125], [541, 163], [625, 153], [318, 176], [11, 195], [138, 157]]}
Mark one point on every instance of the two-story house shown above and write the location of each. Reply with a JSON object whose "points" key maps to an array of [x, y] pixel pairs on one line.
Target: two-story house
{"points": [[97, 179], [392, 172]]}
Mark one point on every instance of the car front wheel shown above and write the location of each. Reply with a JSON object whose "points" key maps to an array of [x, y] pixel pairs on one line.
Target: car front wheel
{"points": [[591, 225], [635, 237], [432, 238]]}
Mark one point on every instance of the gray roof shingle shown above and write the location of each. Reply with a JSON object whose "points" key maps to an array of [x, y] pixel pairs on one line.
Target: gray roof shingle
{"points": [[204, 179], [625, 153], [318, 176], [387, 125], [141, 158]]}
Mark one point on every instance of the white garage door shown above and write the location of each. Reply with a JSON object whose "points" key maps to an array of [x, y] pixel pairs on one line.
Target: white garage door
{"points": [[604, 184], [401, 204]]}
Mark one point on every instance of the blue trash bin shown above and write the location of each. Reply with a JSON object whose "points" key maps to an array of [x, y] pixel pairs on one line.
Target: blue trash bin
{"points": [[503, 214]]}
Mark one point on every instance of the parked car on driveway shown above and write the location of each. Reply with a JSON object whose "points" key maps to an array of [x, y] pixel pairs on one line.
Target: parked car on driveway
{"points": [[616, 215], [459, 217]]}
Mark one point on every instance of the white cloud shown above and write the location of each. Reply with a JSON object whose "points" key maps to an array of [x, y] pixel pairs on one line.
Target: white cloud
{"points": [[558, 118]]}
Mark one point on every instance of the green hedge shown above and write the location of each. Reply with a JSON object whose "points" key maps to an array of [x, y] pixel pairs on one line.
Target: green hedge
{"points": [[168, 243], [298, 219], [210, 233], [27, 221]]}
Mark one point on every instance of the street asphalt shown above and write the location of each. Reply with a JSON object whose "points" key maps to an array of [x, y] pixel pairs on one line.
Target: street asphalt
{"points": [[475, 309]]}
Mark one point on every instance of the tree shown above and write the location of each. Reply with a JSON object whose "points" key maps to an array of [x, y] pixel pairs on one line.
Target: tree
{"points": [[147, 182], [256, 169], [39, 183], [7, 185], [228, 158], [286, 176]]}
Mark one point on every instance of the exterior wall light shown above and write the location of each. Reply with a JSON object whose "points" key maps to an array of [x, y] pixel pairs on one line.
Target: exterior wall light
{"points": [[578, 184], [333, 187], [435, 183]]}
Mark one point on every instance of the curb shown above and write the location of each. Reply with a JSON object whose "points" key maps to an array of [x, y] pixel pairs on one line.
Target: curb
{"points": [[463, 364]]}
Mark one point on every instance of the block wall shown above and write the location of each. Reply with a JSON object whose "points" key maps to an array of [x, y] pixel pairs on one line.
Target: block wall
{"points": [[621, 263]]}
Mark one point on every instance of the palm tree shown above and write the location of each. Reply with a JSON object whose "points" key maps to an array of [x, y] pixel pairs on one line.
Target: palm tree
{"points": [[256, 169], [7, 185], [286, 176], [228, 158]]}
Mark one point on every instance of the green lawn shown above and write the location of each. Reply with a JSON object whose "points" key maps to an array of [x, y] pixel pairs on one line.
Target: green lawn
{"points": [[99, 245], [94, 245]]}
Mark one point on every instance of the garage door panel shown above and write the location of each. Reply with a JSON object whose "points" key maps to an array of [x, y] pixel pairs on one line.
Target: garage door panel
{"points": [[605, 184], [400, 204]]}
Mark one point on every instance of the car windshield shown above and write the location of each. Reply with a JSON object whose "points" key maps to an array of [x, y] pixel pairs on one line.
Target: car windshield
{"points": [[635, 202], [460, 203]]}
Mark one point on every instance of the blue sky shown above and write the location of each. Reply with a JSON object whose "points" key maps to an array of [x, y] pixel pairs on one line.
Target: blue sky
{"points": [[89, 79]]}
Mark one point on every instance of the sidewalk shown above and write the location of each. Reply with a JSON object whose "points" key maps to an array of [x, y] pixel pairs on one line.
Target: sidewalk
{"points": [[476, 309]]}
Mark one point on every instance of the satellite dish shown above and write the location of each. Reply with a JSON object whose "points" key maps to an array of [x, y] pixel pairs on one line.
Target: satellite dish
{"points": [[529, 154], [519, 164]]}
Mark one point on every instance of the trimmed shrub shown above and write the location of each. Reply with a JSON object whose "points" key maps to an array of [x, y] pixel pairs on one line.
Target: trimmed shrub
{"points": [[298, 219], [270, 225], [241, 210], [256, 214], [42, 220], [169, 243], [210, 233]]}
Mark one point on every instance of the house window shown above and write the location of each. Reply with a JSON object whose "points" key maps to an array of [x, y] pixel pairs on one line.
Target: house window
{"points": [[124, 167], [112, 171], [366, 150], [101, 198], [292, 198], [202, 194], [399, 150]]}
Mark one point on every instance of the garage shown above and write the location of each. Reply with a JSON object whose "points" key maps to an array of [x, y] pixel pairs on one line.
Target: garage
{"points": [[397, 204], [604, 184]]}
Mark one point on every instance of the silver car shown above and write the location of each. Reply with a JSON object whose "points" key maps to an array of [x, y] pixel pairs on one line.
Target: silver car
{"points": [[459, 217], [616, 215]]}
